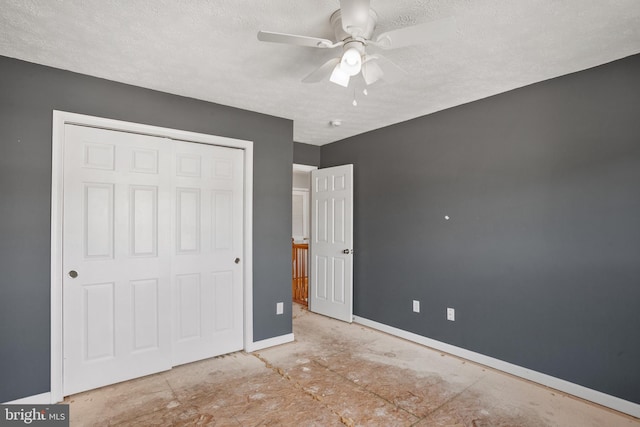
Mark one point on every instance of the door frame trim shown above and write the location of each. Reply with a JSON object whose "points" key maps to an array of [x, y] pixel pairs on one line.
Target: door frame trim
{"points": [[60, 119]]}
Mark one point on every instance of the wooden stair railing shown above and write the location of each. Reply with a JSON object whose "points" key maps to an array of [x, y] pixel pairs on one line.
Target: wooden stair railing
{"points": [[300, 285]]}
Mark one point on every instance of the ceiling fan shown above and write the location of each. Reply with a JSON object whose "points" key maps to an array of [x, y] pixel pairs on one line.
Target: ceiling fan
{"points": [[354, 24]]}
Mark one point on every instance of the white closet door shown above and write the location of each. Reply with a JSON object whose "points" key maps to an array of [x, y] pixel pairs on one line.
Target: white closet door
{"points": [[116, 257], [207, 263], [152, 251]]}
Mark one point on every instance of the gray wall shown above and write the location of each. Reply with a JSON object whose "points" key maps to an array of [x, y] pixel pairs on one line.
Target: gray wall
{"points": [[28, 94], [306, 154], [541, 254]]}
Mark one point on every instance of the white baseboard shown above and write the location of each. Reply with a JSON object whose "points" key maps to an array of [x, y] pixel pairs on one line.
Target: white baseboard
{"points": [[38, 399], [582, 392], [269, 342]]}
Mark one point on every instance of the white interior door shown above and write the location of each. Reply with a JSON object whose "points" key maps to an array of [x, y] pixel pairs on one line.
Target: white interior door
{"points": [[331, 249], [207, 265], [116, 287], [151, 231]]}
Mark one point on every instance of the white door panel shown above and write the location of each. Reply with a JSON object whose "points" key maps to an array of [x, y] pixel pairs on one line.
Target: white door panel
{"points": [[331, 289], [207, 284], [113, 210]]}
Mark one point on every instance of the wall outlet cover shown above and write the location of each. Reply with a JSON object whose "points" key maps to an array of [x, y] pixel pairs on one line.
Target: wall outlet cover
{"points": [[280, 308], [416, 306], [451, 314]]}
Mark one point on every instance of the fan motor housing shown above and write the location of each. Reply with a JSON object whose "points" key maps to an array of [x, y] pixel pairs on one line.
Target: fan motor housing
{"points": [[364, 33]]}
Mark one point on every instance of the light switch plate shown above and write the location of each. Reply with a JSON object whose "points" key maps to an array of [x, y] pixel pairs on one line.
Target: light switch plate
{"points": [[416, 306]]}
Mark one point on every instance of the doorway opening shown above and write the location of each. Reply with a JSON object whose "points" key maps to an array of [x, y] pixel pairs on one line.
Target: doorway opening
{"points": [[325, 281], [300, 232]]}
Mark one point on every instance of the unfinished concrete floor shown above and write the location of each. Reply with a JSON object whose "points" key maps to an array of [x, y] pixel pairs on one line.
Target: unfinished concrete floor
{"points": [[336, 374]]}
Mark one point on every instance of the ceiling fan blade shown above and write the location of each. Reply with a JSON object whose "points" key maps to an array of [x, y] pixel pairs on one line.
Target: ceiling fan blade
{"points": [[371, 71], [355, 16], [323, 72], [391, 72], [431, 32], [270, 36]]}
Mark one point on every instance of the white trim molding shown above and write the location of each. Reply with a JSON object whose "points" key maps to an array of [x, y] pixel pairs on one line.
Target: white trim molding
{"points": [[60, 119], [270, 342], [582, 392], [297, 167]]}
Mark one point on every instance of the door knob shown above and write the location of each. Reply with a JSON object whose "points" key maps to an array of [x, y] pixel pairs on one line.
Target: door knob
{"points": [[73, 274], [347, 251], [237, 260]]}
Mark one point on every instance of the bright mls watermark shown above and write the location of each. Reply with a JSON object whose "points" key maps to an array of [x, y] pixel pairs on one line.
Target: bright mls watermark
{"points": [[34, 415]]}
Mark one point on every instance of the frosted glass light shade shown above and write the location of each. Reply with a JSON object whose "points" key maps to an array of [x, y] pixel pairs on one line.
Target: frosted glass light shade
{"points": [[339, 77], [351, 61]]}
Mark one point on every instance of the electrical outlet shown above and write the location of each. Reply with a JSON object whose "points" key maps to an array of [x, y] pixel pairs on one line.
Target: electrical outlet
{"points": [[451, 314], [416, 306], [280, 308]]}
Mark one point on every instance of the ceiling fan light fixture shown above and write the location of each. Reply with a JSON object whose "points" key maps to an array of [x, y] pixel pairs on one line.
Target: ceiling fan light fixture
{"points": [[351, 62], [339, 76], [371, 72]]}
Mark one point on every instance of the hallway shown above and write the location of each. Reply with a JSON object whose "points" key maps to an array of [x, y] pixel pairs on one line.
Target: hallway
{"points": [[336, 374]]}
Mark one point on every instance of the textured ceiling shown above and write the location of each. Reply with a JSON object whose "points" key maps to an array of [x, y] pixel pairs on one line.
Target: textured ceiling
{"points": [[207, 49]]}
